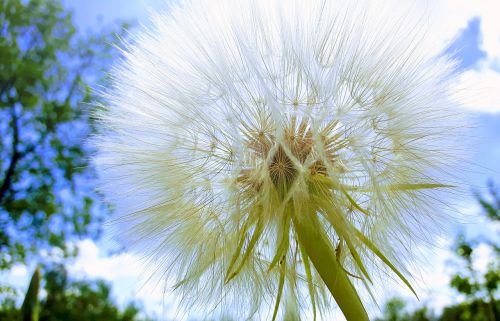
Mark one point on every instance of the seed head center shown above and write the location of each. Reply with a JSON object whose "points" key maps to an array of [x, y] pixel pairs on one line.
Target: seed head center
{"points": [[280, 157]]}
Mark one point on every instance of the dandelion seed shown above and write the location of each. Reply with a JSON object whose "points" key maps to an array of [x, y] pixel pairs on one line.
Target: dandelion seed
{"points": [[268, 156]]}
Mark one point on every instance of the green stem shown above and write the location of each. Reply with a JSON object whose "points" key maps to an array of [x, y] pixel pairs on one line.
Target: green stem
{"points": [[29, 309], [321, 253]]}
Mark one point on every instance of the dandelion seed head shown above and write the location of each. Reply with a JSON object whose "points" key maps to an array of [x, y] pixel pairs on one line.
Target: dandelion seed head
{"points": [[236, 131]]}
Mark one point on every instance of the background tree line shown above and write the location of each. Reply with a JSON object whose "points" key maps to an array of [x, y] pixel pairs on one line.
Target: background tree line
{"points": [[47, 201]]}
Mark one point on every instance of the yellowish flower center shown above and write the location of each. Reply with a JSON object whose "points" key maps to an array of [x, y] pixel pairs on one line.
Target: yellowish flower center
{"points": [[280, 159]]}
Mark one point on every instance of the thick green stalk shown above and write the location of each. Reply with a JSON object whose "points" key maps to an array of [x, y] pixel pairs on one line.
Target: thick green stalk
{"points": [[318, 248], [29, 309]]}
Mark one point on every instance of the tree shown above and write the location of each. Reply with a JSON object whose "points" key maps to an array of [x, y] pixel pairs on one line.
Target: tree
{"points": [[71, 300], [395, 310], [80, 300], [480, 289], [46, 197]]}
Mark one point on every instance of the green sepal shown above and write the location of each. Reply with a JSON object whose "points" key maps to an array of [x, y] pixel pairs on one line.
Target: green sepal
{"points": [[237, 252], [280, 289], [410, 187], [255, 237], [283, 245], [353, 202], [384, 259], [345, 231]]}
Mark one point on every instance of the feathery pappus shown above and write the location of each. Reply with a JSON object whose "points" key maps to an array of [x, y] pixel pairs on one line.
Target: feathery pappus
{"points": [[268, 156]]}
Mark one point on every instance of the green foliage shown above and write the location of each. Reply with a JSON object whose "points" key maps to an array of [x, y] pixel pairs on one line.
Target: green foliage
{"points": [[46, 192], [395, 310], [480, 290], [73, 301], [491, 207], [80, 300], [476, 310], [46, 198]]}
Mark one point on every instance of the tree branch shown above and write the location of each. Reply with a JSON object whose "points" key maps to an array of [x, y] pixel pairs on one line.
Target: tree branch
{"points": [[16, 156]]}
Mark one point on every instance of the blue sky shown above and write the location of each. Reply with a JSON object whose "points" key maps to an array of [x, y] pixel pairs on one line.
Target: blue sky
{"points": [[476, 42], [89, 14]]}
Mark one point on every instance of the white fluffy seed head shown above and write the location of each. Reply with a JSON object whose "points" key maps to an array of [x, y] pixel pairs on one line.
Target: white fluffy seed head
{"points": [[228, 120]]}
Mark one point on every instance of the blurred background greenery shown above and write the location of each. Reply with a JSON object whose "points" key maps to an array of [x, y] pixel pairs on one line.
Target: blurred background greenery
{"points": [[47, 200], [480, 290]]}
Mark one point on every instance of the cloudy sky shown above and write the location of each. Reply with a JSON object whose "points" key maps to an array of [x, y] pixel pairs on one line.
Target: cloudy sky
{"points": [[472, 27]]}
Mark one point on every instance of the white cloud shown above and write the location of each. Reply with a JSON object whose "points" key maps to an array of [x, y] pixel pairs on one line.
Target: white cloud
{"points": [[92, 263], [19, 271], [123, 271], [479, 90], [129, 279], [490, 26], [448, 17], [434, 288], [482, 257], [451, 16]]}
